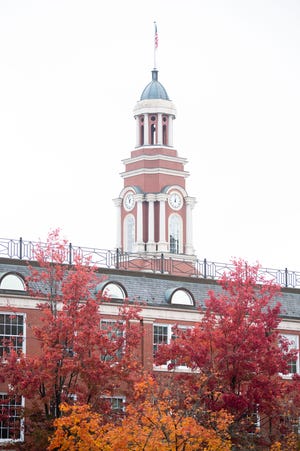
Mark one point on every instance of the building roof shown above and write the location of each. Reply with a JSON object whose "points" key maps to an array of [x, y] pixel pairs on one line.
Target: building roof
{"points": [[154, 90], [151, 288]]}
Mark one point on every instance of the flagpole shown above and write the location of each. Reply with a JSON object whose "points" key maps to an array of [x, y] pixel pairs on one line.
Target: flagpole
{"points": [[155, 43]]}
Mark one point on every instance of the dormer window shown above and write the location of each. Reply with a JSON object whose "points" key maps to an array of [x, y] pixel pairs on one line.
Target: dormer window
{"points": [[12, 281], [179, 296], [113, 290]]}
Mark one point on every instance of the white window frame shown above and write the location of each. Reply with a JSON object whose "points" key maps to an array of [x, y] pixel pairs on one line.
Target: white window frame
{"points": [[112, 398], [170, 335], [177, 217], [122, 400], [293, 338], [129, 233], [13, 282], [119, 352], [21, 439], [181, 297], [116, 287], [7, 337]]}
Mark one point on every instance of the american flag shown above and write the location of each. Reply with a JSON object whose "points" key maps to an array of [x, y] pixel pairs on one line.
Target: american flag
{"points": [[155, 36]]}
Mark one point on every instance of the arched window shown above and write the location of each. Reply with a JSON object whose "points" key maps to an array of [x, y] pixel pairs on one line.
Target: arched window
{"points": [[12, 281], [129, 233], [113, 290], [175, 234], [153, 128], [182, 297], [153, 134], [165, 130], [179, 296]]}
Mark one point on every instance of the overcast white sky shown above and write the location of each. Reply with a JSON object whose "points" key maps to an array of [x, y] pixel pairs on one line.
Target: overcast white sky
{"points": [[71, 72]]}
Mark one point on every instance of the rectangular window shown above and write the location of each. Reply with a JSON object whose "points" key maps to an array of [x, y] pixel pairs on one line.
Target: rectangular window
{"points": [[11, 428], [118, 403], [291, 423], [294, 344], [115, 334], [163, 334], [173, 337], [11, 333], [113, 405]]}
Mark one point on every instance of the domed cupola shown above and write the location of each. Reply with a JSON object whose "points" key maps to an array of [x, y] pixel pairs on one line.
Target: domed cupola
{"points": [[154, 90], [154, 114]]}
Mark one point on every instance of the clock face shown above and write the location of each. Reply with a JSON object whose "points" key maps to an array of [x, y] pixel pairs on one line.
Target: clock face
{"points": [[175, 200], [129, 201]]}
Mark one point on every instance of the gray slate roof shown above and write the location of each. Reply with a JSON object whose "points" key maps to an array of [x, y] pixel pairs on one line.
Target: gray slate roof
{"points": [[151, 288]]}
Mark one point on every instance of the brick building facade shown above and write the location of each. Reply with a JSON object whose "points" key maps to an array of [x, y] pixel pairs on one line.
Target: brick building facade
{"points": [[154, 230]]}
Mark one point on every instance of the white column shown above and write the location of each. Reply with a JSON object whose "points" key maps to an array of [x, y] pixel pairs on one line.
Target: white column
{"points": [[170, 130], [146, 129], [150, 198], [190, 203], [138, 139], [118, 203], [139, 222], [159, 129], [162, 243]]}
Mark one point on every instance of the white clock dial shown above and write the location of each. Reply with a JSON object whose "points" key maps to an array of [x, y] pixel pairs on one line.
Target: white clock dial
{"points": [[129, 201], [175, 201]]}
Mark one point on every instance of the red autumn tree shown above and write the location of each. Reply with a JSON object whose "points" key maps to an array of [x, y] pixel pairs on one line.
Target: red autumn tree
{"points": [[78, 360], [239, 350]]}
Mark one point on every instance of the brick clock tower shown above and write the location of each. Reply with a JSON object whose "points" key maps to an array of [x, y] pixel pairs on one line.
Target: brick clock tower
{"points": [[154, 211]]}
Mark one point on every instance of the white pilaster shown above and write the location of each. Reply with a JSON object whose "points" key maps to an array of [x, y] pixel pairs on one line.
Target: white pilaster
{"points": [[118, 203], [162, 243], [190, 203], [139, 221], [150, 198], [170, 129], [146, 129], [159, 129], [137, 131]]}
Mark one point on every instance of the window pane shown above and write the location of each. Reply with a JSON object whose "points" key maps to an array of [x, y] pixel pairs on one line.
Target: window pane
{"points": [[160, 336], [12, 282], [113, 291], [11, 333], [10, 422], [182, 297], [129, 233], [117, 403], [175, 234], [293, 344], [115, 335]]}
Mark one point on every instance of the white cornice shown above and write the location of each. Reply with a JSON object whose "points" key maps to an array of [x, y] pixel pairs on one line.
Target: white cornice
{"points": [[19, 302], [148, 313], [154, 106], [155, 157], [153, 313], [150, 171]]}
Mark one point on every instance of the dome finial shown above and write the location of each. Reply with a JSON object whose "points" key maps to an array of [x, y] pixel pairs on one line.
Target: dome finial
{"points": [[155, 75]]}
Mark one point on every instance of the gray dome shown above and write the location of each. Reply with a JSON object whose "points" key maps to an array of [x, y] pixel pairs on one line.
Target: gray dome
{"points": [[154, 90]]}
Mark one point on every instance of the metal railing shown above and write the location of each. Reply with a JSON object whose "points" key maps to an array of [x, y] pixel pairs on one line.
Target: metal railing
{"points": [[20, 249]]}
